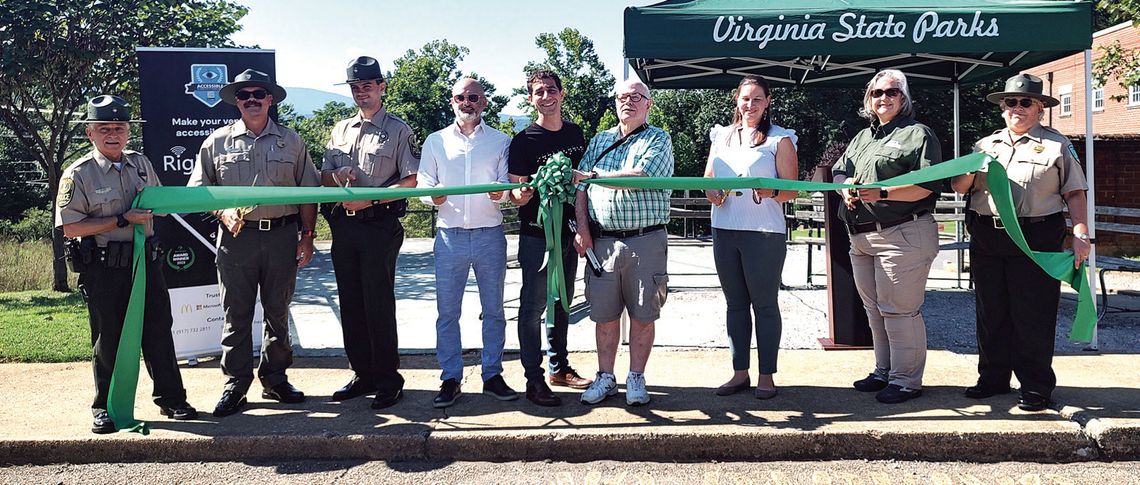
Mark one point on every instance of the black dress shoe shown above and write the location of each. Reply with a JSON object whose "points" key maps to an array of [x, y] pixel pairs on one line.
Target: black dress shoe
{"points": [[497, 388], [539, 393], [102, 423], [385, 399], [979, 391], [231, 402], [1032, 401], [894, 394], [285, 393], [448, 393], [355, 388], [871, 383], [179, 412]]}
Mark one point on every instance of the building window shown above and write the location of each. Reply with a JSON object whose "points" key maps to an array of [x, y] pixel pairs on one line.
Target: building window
{"points": [[1134, 95], [1098, 97], [1065, 95]]}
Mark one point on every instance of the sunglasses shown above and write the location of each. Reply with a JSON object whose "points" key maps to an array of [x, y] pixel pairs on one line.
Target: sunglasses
{"points": [[474, 98], [1014, 102], [257, 94], [890, 92]]}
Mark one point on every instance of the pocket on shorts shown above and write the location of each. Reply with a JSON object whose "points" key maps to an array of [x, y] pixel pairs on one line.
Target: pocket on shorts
{"points": [[661, 290]]}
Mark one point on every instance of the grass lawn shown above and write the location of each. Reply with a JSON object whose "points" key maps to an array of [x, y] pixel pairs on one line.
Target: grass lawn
{"points": [[43, 326]]}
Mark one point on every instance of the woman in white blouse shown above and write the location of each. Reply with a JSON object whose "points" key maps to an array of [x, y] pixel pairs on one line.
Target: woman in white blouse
{"points": [[749, 230]]}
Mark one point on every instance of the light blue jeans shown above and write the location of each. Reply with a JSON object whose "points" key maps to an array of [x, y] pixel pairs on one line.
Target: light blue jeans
{"points": [[457, 251]]}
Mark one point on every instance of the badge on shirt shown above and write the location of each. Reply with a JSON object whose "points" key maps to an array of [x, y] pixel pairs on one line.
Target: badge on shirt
{"points": [[280, 143], [893, 144], [66, 188], [383, 136], [1038, 149]]}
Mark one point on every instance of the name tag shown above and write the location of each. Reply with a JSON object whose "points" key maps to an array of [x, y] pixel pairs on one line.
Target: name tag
{"points": [[893, 144], [102, 190]]}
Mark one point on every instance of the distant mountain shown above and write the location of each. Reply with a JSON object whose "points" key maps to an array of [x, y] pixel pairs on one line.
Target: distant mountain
{"points": [[521, 121], [306, 100]]}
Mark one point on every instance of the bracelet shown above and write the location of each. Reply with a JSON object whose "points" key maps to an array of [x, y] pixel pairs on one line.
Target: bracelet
{"points": [[308, 233]]}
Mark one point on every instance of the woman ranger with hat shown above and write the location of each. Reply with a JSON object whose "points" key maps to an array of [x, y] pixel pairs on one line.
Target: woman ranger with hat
{"points": [[93, 204], [1016, 301]]}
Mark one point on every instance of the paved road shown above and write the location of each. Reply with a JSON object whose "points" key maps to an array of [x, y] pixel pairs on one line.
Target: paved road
{"points": [[598, 472]]}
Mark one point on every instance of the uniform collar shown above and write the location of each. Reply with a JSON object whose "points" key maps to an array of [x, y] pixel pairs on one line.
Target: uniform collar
{"points": [[105, 163], [1035, 134], [896, 122], [377, 119], [271, 128]]}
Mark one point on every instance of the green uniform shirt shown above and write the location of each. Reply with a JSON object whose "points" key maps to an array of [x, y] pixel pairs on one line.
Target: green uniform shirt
{"points": [[1042, 167], [651, 150], [93, 187], [233, 155], [882, 152]]}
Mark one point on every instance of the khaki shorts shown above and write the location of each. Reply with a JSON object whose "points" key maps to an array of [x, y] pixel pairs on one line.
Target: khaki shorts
{"points": [[634, 278]]}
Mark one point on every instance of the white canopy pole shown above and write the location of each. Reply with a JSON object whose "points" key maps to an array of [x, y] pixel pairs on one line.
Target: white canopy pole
{"points": [[1089, 159]]}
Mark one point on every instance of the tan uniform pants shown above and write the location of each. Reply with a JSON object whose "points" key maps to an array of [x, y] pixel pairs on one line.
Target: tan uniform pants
{"points": [[890, 269]]}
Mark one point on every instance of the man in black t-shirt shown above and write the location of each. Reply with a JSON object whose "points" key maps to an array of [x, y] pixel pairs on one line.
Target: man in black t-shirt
{"points": [[530, 149]]}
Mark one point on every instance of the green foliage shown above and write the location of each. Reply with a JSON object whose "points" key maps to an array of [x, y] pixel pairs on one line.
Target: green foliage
{"points": [[419, 89], [585, 80], [315, 129], [43, 326], [1115, 61], [687, 115], [36, 225], [55, 54]]}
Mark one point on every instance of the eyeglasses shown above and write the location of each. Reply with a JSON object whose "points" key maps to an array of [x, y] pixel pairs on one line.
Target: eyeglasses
{"points": [[256, 94], [890, 92], [474, 98], [1014, 102], [631, 97]]}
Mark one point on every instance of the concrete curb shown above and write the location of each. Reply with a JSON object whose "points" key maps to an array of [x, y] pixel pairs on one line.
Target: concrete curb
{"points": [[1046, 447]]}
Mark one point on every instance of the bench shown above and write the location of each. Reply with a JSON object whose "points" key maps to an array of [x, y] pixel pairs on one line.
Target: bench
{"points": [[1105, 264]]}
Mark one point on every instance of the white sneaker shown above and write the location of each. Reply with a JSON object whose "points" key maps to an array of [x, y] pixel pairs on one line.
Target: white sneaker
{"points": [[635, 392], [604, 385]]}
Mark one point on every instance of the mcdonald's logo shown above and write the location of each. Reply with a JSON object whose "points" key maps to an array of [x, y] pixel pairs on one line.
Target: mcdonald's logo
{"points": [[186, 308]]}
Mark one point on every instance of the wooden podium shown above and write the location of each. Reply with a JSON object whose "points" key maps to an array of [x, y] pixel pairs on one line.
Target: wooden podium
{"points": [[847, 319]]}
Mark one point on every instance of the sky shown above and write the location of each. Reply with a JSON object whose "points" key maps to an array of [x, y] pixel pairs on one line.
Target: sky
{"points": [[314, 40]]}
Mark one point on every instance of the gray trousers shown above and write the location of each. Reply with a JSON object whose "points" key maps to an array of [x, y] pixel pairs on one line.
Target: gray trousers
{"points": [[265, 260], [890, 269], [749, 264]]}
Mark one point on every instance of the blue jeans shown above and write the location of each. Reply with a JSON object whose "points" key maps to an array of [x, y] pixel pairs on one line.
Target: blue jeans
{"points": [[457, 251], [532, 305]]}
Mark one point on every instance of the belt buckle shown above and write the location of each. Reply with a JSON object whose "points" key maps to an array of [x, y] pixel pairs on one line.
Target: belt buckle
{"points": [[264, 224], [349, 213], [998, 224]]}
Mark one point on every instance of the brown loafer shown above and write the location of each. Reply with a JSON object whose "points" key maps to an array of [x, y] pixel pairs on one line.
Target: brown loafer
{"points": [[570, 379]]}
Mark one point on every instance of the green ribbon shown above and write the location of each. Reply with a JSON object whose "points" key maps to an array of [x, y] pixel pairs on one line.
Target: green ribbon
{"points": [[554, 188]]}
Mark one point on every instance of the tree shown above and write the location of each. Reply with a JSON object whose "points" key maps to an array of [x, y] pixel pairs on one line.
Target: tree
{"points": [[687, 115], [419, 89], [317, 128], [55, 54], [1116, 61], [586, 81]]}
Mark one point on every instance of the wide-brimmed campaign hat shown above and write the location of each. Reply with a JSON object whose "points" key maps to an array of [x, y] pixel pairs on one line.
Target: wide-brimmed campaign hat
{"points": [[363, 68], [108, 108], [254, 78], [1026, 86]]}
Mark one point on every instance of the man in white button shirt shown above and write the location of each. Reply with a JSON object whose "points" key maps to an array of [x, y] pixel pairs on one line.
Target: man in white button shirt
{"points": [[469, 235]]}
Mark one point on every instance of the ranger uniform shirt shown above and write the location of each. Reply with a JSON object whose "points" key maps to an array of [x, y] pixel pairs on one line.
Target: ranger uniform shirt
{"points": [[383, 149], [233, 155], [1042, 167], [93, 187], [881, 152]]}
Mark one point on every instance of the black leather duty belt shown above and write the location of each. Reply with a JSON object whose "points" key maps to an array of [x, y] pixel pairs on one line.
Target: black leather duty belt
{"points": [[271, 224], [854, 229], [631, 232], [1023, 221]]}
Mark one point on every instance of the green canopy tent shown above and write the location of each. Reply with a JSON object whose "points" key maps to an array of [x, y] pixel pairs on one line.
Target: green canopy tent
{"points": [[682, 44]]}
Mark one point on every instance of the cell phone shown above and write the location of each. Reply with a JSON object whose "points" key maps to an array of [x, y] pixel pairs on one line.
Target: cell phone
{"points": [[595, 265]]}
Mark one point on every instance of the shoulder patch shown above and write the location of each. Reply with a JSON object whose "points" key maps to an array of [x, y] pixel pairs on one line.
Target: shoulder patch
{"points": [[414, 144], [66, 190], [1073, 152]]}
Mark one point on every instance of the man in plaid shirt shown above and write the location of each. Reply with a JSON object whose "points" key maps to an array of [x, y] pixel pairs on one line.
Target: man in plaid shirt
{"points": [[625, 229]]}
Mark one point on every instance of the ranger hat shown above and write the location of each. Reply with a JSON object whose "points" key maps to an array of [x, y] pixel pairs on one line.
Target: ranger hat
{"points": [[108, 108], [251, 78], [363, 68], [1023, 85]]}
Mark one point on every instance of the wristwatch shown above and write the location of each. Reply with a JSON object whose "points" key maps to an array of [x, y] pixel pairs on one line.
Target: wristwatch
{"points": [[308, 233], [593, 174], [1082, 236], [883, 194], [121, 221]]}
